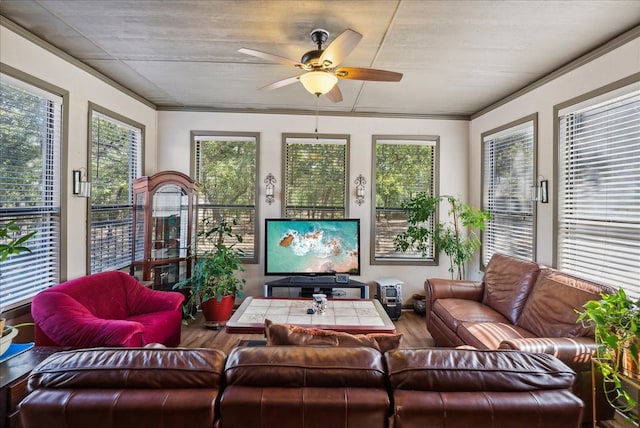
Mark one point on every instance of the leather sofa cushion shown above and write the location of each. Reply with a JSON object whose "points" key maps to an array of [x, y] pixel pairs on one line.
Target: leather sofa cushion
{"points": [[305, 366], [287, 334], [454, 312], [144, 368], [476, 370], [551, 308], [489, 335], [507, 284]]}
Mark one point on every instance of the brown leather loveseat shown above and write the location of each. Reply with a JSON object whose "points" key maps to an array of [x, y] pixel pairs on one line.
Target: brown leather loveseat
{"points": [[300, 387], [520, 305]]}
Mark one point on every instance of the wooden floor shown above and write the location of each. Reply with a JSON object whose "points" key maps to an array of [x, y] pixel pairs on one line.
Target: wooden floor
{"points": [[197, 335]]}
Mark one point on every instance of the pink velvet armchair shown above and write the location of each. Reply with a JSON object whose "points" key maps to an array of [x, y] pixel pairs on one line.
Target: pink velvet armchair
{"points": [[106, 309]]}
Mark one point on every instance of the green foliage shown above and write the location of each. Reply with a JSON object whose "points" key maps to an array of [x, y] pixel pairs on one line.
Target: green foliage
{"points": [[23, 132], [401, 169], [214, 271], [227, 173], [446, 237], [615, 319], [315, 179], [12, 244], [111, 158]]}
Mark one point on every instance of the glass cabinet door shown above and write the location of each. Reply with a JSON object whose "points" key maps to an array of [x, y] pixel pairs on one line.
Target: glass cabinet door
{"points": [[163, 232], [169, 217]]}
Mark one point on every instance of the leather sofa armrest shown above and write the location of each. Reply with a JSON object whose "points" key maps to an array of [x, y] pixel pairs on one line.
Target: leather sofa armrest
{"points": [[439, 288], [575, 352]]}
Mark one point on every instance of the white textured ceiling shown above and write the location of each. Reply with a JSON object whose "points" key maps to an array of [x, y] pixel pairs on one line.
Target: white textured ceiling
{"points": [[457, 57]]}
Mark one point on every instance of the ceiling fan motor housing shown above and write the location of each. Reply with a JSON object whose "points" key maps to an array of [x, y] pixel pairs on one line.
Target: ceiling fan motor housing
{"points": [[311, 58], [319, 36]]}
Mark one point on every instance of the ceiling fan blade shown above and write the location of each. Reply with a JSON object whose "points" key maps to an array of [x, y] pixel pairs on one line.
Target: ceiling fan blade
{"points": [[270, 57], [335, 95], [358, 73], [340, 48], [280, 83]]}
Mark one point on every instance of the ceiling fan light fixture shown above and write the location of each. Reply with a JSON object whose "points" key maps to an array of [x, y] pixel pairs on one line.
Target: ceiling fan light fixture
{"points": [[318, 82]]}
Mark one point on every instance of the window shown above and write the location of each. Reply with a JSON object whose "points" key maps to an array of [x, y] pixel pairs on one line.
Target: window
{"points": [[598, 229], [226, 171], [315, 176], [508, 175], [116, 160], [404, 166], [30, 131]]}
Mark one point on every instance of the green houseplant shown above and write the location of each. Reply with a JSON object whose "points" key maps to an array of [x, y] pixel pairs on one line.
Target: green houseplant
{"points": [[11, 243], [213, 283], [616, 320], [446, 236]]}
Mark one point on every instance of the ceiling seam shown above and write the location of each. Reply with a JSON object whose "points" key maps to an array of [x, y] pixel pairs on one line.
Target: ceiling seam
{"points": [[375, 56]]}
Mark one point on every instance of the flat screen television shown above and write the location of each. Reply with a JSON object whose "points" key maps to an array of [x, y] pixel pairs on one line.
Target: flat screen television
{"points": [[312, 247]]}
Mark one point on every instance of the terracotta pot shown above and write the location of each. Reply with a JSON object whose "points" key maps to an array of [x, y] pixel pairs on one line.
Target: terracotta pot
{"points": [[214, 310]]}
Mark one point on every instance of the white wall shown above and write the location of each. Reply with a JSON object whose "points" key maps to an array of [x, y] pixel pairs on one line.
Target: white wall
{"points": [[174, 153], [83, 88], [611, 67]]}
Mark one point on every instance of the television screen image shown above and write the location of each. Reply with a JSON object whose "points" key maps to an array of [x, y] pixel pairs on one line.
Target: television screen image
{"points": [[312, 247]]}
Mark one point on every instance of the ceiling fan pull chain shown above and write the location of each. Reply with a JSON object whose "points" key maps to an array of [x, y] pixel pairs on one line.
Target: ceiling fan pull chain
{"points": [[317, 110]]}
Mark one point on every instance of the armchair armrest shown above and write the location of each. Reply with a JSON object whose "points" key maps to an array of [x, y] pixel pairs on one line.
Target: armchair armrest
{"points": [[438, 288], [575, 352]]}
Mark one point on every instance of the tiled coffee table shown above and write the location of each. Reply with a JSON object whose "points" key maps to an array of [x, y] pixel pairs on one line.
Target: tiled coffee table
{"points": [[351, 316]]}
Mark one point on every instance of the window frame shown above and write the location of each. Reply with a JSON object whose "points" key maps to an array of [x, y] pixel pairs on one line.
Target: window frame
{"points": [[399, 259], [59, 241], [592, 98], [512, 127], [93, 107], [346, 138], [255, 258]]}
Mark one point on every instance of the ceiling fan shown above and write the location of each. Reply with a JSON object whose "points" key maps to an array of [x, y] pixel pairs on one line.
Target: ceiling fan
{"points": [[321, 65]]}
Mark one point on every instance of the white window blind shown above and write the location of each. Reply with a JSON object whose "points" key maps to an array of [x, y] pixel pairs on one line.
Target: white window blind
{"points": [[315, 183], [226, 172], [599, 190], [507, 178], [403, 168], [115, 162], [30, 131]]}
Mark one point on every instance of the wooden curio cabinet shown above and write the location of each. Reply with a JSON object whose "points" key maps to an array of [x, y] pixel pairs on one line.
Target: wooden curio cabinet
{"points": [[163, 215]]}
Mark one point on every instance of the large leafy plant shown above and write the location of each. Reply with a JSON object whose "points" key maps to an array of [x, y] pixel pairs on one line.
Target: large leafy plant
{"points": [[448, 236], [615, 319], [10, 243], [214, 272]]}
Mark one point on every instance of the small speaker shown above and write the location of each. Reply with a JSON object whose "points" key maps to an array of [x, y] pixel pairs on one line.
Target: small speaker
{"points": [[389, 293]]}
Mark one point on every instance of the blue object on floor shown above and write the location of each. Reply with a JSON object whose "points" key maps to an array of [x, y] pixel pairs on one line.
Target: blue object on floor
{"points": [[15, 349]]}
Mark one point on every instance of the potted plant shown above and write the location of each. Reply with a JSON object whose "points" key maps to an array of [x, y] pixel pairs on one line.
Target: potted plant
{"points": [[615, 319], [214, 284], [447, 236], [11, 244]]}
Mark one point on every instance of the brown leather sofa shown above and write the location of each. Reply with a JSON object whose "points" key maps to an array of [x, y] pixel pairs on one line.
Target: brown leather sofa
{"points": [[300, 387], [523, 306]]}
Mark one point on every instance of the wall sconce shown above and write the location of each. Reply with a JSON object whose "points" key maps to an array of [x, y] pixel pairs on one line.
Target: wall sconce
{"points": [[269, 188], [81, 186], [360, 182], [540, 192]]}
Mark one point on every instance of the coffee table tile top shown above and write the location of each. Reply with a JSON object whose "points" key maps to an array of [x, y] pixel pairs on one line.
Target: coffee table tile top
{"points": [[356, 312]]}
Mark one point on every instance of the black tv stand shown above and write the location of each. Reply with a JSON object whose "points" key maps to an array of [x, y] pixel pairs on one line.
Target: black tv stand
{"points": [[314, 284]]}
